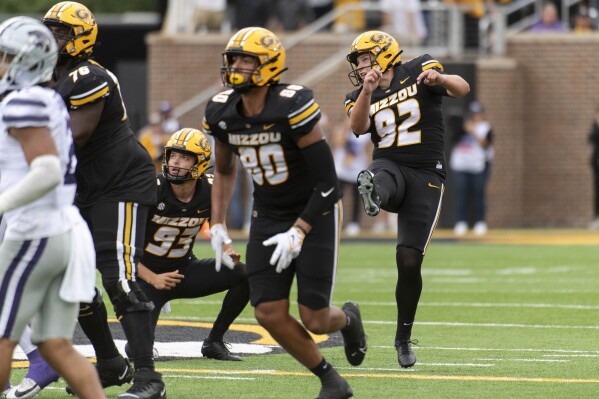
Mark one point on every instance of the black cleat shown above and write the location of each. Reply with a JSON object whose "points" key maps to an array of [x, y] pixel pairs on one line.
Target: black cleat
{"points": [[146, 385], [218, 350], [405, 355], [339, 390], [370, 199], [354, 338], [116, 371]]}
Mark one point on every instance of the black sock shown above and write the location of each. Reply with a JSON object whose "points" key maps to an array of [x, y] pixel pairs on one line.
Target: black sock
{"points": [[408, 289], [235, 301], [93, 320], [137, 328], [322, 369], [404, 330]]}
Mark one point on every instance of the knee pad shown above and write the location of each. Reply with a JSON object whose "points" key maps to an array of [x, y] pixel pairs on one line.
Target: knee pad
{"points": [[127, 297], [86, 309]]}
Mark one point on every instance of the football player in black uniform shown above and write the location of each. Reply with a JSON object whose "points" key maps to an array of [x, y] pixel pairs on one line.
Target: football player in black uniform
{"points": [[115, 187], [273, 128], [168, 269], [400, 106]]}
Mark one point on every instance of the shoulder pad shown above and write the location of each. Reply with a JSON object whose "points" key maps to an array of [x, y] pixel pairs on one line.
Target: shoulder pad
{"points": [[427, 62], [90, 83], [301, 107]]}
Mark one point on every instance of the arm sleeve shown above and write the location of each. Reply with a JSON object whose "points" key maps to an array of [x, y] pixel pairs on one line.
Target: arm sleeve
{"points": [[326, 191], [44, 175]]}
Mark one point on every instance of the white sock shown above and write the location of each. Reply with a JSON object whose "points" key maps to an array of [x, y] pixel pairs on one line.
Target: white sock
{"points": [[25, 341]]}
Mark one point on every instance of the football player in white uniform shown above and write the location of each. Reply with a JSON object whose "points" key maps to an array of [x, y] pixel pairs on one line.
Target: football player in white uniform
{"points": [[46, 240]]}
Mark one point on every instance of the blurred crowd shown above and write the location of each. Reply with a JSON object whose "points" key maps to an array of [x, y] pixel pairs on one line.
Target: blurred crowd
{"points": [[408, 20]]}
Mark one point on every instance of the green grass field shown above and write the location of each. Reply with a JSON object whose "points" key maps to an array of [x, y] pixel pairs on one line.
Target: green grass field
{"points": [[494, 321]]}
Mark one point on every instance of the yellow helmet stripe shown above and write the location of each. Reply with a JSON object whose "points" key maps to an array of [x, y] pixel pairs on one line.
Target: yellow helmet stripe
{"points": [[188, 136], [55, 8], [245, 37], [63, 6], [178, 139], [241, 37], [183, 137]]}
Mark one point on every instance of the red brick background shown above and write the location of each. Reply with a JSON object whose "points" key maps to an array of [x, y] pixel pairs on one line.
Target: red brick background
{"points": [[540, 98]]}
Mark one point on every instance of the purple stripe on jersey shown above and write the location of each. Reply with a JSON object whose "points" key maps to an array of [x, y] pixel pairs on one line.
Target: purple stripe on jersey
{"points": [[8, 277], [20, 101], [26, 273], [26, 118]]}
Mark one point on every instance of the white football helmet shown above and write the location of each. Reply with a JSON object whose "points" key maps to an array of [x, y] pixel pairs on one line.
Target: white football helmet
{"points": [[28, 53]]}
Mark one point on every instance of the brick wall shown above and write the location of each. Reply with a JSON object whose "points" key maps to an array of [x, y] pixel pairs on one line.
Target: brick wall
{"points": [[540, 99]]}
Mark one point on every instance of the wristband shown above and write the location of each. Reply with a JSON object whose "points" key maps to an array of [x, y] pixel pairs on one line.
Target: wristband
{"points": [[297, 226]]}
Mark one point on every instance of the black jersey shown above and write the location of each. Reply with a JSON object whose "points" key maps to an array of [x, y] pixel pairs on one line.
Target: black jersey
{"points": [[112, 165], [266, 144], [406, 121], [173, 225]]}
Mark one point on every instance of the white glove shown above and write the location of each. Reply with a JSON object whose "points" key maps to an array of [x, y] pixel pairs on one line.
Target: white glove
{"points": [[220, 238], [289, 245]]}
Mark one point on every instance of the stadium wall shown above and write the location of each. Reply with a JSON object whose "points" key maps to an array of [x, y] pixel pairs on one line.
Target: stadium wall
{"points": [[540, 98]]}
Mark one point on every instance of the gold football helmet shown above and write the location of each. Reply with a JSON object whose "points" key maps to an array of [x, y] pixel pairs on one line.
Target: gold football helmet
{"points": [[82, 24], [189, 141], [381, 45], [261, 44]]}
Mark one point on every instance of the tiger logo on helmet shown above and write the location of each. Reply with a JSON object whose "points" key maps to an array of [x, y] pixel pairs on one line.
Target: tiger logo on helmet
{"points": [[265, 47], [384, 48], [82, 24], [188, 141]]}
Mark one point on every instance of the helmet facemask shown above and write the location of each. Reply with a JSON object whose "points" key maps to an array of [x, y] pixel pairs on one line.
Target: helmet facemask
{"points": [[236, 78], [231, 75], [190, 142], [178, 179], [260, 44]]}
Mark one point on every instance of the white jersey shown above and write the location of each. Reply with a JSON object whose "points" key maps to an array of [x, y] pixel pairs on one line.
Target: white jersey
{"points": [[47, 216]]}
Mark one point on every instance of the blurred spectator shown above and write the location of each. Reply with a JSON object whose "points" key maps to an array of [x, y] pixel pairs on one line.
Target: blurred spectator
{"points": [[404, 20], [583, 24], [352, 21], [549, 20], [169, 123], [594, 140], [153, 138], [351, 156], [292, 14], [252, 12], [473, 10], [471, 165], [240, 207], [319, 8], [208, 16]]}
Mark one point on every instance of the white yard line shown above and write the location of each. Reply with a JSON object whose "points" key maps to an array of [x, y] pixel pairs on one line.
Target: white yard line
{"points": [[445, 348], [508, 325], [445, 304], [522, 360]]}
